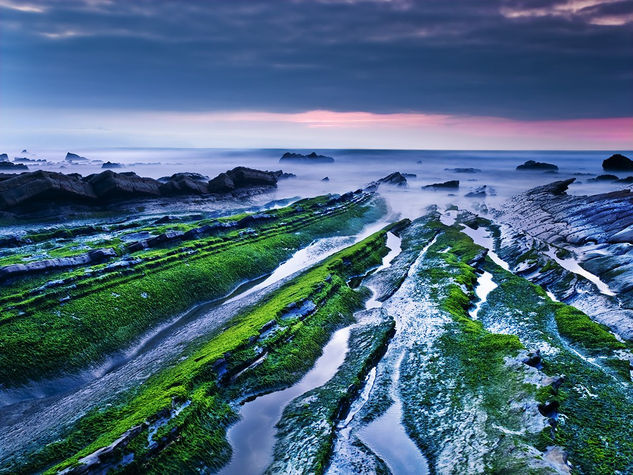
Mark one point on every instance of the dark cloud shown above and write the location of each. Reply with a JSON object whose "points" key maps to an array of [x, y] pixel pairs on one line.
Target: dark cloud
{"points": [[520, 59]]}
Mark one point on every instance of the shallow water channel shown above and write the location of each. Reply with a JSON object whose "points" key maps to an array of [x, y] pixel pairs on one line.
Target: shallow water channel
{"points": [[253, 437]]}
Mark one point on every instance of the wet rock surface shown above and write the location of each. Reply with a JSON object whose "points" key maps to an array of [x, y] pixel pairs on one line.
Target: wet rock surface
{"points": [[50, 188]]}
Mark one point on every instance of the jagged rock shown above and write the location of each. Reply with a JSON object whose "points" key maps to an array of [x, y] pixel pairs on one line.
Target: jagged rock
{"points": [[395, 178], [617, 163], [111, 165], [181, 175], [310, 158], [221, 184], [28, 160], [244, 177], [182, 184], [450, 185], [327, 178], [42, 185], [12, 166], [281, 175], [4, 157], [479, 192], [73, 157], [110, 185], [532, 165]]}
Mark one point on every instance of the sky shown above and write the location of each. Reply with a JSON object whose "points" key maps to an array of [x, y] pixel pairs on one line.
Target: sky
{"points": [[459, 74]]}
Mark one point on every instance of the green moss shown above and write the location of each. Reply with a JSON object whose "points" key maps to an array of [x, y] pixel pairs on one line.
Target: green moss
{"points": [[581, 330]]}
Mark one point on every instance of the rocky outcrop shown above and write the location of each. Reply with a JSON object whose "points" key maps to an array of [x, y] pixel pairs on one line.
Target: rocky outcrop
{"points": [[4, 157], [44, 186], [92, 257], [395, 179], [73, 157], [111, 165], [532, 165], [107, 186], [111, 185], [12, 166], [28, 160], [447, 185], [618, 163], [310, 158]]}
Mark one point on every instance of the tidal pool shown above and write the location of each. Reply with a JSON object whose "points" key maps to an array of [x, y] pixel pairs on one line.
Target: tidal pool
{"points": [[253, 437]]}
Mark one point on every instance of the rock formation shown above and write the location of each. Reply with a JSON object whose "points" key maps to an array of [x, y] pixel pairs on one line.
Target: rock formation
{"points": [[310, 158], [532, 165], [618, 163]]}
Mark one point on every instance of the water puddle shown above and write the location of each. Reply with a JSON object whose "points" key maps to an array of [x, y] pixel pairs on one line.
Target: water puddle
{"points": [[311, 255], [485, 285], [394, 244], [482, 237], [253, 437], [387, 437], [572, 265]]}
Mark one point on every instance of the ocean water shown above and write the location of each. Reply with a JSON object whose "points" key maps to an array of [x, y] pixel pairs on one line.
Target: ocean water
{"points": [[355, 168]]}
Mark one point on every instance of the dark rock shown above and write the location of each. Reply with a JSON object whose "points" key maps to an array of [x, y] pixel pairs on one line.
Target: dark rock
{"points": [[28, 160], [534, 359], [310, 158], [221, 184], [73, 157], [111, 165], [396, 178], [181, 175], [463, 170], [327, 178], [42, 185], [479, 192], [12, 166], [4, 157], [111, 185], [618, 163], [450, 185], [628, 179], [409, 175], [532, 165], [184, 184], [244, 177], [281, 175], [605, 178], [419, 162], [549, 409]]}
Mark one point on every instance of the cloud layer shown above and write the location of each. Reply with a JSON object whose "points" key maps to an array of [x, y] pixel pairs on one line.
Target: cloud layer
{"points": [[536, 59]]}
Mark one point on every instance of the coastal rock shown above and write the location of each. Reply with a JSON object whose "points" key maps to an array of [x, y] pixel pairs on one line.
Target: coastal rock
{"points": [[73, 157], [281, 175], [479, 192], [185, 184], [42, 185], [396, 179], [4, 157], [111, 165], [326, 178], [110, 185], [12, 166], [618, 163], [310, 158], [244, 177], [189, 175], [221, 184], [532, 165], [28, 160], [447, 185]]}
